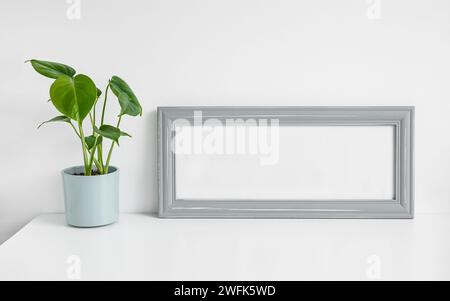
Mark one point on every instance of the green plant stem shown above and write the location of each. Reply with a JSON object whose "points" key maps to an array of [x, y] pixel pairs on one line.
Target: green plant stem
{"points": [[104, 105], [92, 121], [100, 156], [97, 164], [87, 172], [109, 157], [91, 154], [95, 109], [76, 132], [111, 149], [100, 146]]}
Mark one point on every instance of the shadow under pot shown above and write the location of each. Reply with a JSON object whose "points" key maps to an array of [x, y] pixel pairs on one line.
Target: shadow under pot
{"points": [[91, 201]]}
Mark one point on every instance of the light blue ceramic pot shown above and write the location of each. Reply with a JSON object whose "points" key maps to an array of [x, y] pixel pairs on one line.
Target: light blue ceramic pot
{"points": [[91, 201]]}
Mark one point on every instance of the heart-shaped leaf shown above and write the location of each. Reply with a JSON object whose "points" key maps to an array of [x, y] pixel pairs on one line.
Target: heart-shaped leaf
{"points": [[90, 141], [127, 107], [128, 101], [61, 118], [52, 69], [110, 132], [74, 97]]}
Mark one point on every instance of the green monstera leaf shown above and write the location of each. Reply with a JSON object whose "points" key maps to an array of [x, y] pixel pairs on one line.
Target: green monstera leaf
{"points": [[110, 132], [52, 69], [61, 118], [128, 101], [90, 141], [73, 97]]}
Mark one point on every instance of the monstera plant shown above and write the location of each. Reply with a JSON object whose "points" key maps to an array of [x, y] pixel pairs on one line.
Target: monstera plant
{"points": [[76, 97], [94, 200]]}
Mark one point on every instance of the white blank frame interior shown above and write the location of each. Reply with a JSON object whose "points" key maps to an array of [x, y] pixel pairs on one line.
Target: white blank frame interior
{"points": [[286, 162], [302, 163]]}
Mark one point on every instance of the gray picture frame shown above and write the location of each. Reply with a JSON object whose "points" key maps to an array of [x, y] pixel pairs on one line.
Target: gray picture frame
{"points": [[402, 206]]}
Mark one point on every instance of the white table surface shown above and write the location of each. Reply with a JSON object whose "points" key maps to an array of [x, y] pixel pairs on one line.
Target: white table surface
{"points": [[143, 247]]}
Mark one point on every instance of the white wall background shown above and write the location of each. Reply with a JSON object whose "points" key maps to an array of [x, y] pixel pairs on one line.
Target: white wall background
{"points": [[216, 52]]}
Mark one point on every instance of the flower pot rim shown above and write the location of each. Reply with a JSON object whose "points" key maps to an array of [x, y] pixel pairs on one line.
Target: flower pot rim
{"points": [[111, 171]]}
